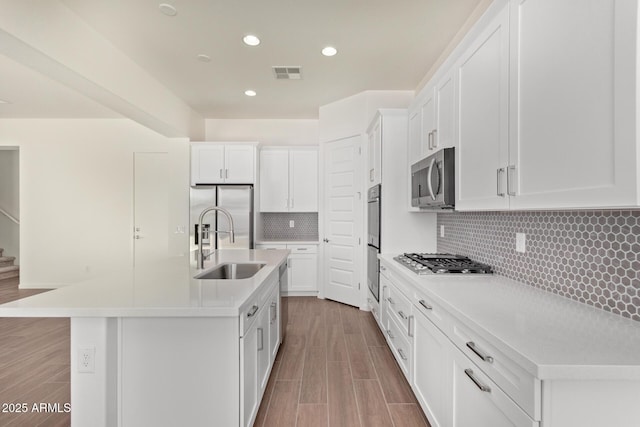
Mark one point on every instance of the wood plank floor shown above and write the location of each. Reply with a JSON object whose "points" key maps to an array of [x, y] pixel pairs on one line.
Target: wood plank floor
{"points": [[335, 369], [34, 364]]}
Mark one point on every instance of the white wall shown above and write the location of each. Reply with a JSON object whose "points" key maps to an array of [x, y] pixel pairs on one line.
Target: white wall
{"points": [[265, 131], [351, 116], [76, 195], [9, 201]]}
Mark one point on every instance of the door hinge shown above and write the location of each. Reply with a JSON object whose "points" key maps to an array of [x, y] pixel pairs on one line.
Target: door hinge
{"points": [[358, 285], [359, 241]]}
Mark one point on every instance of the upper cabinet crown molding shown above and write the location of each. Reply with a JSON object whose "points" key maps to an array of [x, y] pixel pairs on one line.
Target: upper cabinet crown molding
{"points": [[223, 163]]}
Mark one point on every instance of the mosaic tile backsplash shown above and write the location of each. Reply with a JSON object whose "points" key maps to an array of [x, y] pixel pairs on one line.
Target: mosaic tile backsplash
{"points": [[589, 256], [275, 226]]}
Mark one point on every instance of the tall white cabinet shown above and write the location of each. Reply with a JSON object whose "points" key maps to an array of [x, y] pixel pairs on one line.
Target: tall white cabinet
{"points": [[289, 180]]}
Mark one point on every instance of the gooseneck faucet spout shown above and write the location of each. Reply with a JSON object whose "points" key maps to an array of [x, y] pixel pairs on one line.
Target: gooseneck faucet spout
{"points": [[230, 231]]}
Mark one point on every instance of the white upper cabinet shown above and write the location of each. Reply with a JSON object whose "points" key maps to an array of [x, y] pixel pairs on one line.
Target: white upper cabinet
{"points": [[303, 180], [547, 108], [289, 180], [573, 103], [437, 113], [274, 180], [222, 164], [483, 121], [375, 152]]}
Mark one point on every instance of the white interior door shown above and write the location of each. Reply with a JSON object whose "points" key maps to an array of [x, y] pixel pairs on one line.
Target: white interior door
{"points": [[151, 207], [343, 221]]}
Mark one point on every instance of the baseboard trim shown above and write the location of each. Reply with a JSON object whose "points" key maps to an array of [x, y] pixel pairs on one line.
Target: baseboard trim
{"points": [[23, 285], [299, 293]]}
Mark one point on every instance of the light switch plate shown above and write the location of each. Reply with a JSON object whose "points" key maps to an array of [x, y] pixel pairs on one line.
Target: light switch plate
{"points": [[521, 242]]}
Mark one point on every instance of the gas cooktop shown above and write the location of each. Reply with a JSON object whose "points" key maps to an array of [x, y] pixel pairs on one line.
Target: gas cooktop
{"points": [[442, 264]]}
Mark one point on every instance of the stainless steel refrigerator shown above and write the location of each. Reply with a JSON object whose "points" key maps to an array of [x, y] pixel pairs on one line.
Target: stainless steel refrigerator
{"points": [[238, 200]]}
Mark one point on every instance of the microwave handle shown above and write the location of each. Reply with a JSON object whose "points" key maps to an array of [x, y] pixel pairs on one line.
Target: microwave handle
{"points": [[429, 184]]}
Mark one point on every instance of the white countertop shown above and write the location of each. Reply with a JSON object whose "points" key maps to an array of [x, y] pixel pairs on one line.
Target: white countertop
{"points": [[162, 289], [548, 335]]}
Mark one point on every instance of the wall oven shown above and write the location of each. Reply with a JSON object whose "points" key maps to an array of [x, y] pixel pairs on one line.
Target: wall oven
{"points": [[373, 240], [433, 181]]}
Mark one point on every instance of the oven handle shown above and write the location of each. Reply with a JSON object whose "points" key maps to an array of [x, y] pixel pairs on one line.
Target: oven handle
{"points": [[429, 184]]}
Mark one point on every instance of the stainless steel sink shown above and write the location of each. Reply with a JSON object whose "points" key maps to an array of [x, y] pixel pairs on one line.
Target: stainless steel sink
{"points": [[228, 271]]}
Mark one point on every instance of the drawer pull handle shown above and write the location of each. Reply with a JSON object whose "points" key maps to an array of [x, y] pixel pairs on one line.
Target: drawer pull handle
{"points": [[480, 354], [481, 386], [383, 268], [391, 301], [390, 334], [261, 344], [409, 329], [402, 315], [301, 249], [401, 353], [425, 305], [252, 311]]}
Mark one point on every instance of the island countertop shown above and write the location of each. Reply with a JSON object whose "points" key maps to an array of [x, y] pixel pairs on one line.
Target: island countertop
{"points": [[161, 289]]}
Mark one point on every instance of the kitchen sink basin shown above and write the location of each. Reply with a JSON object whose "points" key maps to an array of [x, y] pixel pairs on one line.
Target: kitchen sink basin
{"points": [[231, 271]]}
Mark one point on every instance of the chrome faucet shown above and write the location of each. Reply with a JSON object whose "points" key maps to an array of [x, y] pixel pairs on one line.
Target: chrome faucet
{"points": [[230, 231]]}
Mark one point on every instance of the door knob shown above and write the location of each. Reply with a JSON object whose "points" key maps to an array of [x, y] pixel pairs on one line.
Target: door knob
{"points": [[325, 240], [137, 237]]}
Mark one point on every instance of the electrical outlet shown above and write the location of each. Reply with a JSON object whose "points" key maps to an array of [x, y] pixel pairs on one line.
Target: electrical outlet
{"points": [[292, 224], [87, 359], [442, 231], [521, 242]]}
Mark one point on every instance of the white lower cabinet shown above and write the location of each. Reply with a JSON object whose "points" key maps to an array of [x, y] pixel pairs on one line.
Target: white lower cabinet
{"points": [[258, 347], [431, 371], [478, 401], [303, 268]]}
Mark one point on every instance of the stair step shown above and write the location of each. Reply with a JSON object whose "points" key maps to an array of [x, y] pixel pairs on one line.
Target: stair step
{"points": [[7, 261], [9, 272]]}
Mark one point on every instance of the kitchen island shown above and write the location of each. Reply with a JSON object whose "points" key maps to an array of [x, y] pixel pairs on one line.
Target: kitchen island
{"points": [[153, 346]]}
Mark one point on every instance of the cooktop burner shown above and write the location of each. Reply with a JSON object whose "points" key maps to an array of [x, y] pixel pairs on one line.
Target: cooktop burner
{"points": [[442, 264]]}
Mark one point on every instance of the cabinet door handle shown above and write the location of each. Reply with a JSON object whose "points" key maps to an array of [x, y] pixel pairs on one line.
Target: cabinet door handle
{"points": [[371, 175], [226, 172], [402, 315], [261, 341], [391, 301], [274, 314], [383, 268], [252, 311], [510, 180], [402, 355], [477, 382], [479, 353], [390, 334], [499, 174], [435, 141], [409, 328], [425, 305]]}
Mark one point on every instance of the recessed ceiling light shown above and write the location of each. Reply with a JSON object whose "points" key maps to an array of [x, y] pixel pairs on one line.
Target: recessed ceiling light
{"points": [[329, 51], [250, 92], [204, 58], [168, 9], [251, 40]]}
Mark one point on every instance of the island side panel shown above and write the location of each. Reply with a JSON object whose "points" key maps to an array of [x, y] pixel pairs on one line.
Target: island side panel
{"points": [[179, 371], [94, 394]]}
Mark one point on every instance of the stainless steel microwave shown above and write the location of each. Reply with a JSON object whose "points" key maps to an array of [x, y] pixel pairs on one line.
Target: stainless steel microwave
{"points": [[433, 181]]}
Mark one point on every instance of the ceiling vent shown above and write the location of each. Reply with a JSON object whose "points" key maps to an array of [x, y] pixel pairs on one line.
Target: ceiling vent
{"points": [[287, 72]]}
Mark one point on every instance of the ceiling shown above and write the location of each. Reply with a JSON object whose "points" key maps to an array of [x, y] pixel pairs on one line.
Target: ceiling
{"points": [[382, 45]]}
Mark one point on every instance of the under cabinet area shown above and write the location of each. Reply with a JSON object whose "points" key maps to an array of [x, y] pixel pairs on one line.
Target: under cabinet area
{"points": [[222, 163], [289, 180]]}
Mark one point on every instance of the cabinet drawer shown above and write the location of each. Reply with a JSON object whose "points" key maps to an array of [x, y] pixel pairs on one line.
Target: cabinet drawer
{"points": [[477, 400], [249, 312], [399, 308], [303, 249], [400, 346], [425, 305], [520, 385], [266, 246]]}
